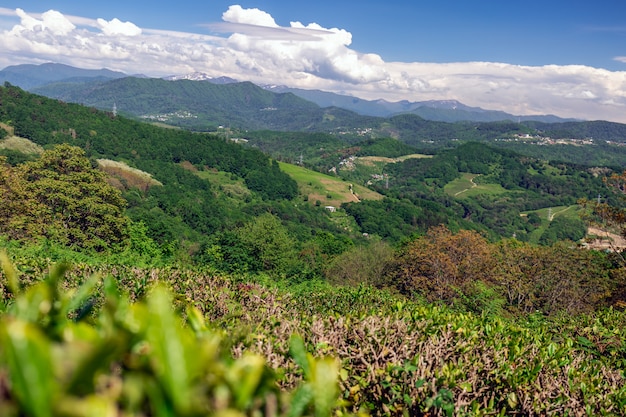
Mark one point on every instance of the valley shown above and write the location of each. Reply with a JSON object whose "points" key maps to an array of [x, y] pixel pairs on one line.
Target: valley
{"points": [[320, 259]]}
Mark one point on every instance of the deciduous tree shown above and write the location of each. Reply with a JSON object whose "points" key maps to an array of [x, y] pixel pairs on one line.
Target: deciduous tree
{"points": [[440, 264], [62, 197]]}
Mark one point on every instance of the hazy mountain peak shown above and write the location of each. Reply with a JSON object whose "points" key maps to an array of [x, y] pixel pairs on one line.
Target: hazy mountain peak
{"points": [[28, 76], [201, 76]]}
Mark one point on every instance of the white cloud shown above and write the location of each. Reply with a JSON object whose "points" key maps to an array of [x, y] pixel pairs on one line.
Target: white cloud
{"points": [[237, 14], [51, 21], [116, 27], [258, 49]]}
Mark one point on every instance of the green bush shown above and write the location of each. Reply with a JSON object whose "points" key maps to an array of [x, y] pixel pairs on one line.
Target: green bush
{"points": [[60, 355], [394, 356]]}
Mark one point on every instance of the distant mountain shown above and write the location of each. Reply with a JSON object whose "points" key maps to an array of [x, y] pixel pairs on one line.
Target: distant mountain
{"points": [[437, 110], [40, 79], [207, 105], [29, 76], [201, 76], [198, 105]]}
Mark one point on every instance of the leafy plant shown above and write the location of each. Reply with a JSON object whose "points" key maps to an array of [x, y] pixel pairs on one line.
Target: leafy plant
{"points": [[58, 358]]}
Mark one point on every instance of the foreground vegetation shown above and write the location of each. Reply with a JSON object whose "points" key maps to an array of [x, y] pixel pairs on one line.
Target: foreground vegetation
{"points": [[80, 346]]}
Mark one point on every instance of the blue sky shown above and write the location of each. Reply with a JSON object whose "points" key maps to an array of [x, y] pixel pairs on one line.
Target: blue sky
{"points": [[560, 57]]}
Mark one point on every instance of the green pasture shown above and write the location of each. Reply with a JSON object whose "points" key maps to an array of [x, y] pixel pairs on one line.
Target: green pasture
{"points": [[328, 190], [228, 184], [547, 215], [465, 186]]}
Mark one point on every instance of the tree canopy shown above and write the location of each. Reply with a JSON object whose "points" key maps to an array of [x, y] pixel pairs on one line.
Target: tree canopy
{"points": [[62, 197]]}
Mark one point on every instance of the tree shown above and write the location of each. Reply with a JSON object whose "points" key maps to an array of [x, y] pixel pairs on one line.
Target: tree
{"points": [[441, 264], [20, 215], [72, 199], [262, 244], [563, 228], [361, 265], [268, 243]]}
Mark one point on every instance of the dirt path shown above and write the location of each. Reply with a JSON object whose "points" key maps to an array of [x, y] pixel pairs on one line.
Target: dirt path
{"points": [[559, 212], [467, 189]]}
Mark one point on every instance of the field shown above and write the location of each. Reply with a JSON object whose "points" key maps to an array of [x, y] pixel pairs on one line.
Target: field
{"points": [[127, 176], [17, 143], [328, 190], [348, 349], [548, 214], [366, 159], [229, 185], [466, 187]]}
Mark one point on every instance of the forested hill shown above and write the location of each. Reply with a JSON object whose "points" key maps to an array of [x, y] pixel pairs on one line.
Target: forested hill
{"points": [[190, 207], [204, 106], [192, 104], [598, 130], [46, 122], [186, 208]]}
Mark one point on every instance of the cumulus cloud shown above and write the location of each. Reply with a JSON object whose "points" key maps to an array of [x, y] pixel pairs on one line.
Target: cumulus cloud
{"points": [[117, 27], [51, 21], [302, 50], [237, 14], [250, 45]]}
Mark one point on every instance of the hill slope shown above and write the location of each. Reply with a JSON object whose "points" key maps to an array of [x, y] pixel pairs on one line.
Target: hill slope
{"points": [[29, 76]]}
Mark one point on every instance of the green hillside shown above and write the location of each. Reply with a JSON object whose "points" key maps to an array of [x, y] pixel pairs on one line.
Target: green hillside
{"points": [[149, 271], [196, 105], [203, 106], [326, 189]]}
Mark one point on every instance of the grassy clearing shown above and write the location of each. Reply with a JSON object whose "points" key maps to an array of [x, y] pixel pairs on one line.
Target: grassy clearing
{"points": [[466, 187], [127, 176], [548, 214], [328, 190], [19, 144], [230, 185], [372, 159]]}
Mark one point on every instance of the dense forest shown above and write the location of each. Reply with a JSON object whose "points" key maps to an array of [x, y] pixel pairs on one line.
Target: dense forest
{"points": [[453, 293]]}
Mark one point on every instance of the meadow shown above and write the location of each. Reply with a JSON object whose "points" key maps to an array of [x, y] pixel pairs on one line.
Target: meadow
{"points": [[466, 187], [327, 189]]}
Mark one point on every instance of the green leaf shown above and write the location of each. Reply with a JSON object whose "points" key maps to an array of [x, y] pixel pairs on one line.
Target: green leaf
{"points": [[28, 358], [244, 377], [99, 358], [159, 404], [90, 406], [299, 354], [13, 284], [34, 304], [300, 400], [324, 384], [169, 356], [511, 399], [83, 293], [195, 320]]}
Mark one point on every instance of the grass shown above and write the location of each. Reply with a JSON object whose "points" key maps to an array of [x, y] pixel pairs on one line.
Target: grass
{"points": [[19, 144], [366, 159], [129, 177], [230, 185], [552, 212], [465, 187], [328, 190], [548, 214]]}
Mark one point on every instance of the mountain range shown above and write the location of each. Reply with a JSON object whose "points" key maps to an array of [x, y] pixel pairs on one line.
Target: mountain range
{"points": [[57, 80], [438, 110], [28, 76]]}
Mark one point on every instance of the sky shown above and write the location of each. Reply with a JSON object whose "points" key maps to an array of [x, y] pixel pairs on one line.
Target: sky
{"points": [[562, 57]]}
